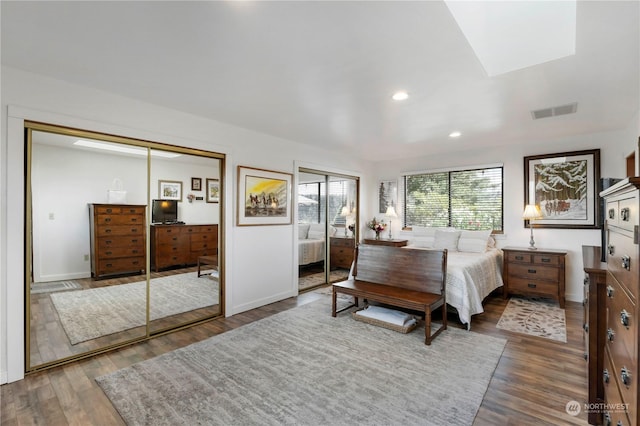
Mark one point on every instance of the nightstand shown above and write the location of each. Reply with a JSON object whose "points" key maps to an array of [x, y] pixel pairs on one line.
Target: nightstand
{"points": [[341, 252], [534, 272], [386, 242]]}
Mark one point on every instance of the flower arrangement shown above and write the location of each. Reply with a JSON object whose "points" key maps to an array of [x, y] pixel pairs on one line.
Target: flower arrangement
{"points": [[191, 197], [376, 226]]}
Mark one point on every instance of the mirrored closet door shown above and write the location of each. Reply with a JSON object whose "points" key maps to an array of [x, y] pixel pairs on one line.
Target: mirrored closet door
{"points": [[99, 273], [328, 225]]}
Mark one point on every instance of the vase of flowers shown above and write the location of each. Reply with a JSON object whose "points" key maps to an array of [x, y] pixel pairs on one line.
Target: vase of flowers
{"points": [[377, 227]]}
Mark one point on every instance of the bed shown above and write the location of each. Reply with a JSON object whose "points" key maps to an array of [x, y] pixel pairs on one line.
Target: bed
{"points": [[311, 240], [474, 266]]}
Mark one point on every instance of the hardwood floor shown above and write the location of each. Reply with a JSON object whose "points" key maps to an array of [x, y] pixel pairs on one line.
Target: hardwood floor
{"points": [[534, 379]]}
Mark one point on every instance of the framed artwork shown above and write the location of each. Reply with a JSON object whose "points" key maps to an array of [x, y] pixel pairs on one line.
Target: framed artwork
{"points": [[564, 186], [213, 190], [387, 195], [264, 197], [170, 190], [196, 184]]}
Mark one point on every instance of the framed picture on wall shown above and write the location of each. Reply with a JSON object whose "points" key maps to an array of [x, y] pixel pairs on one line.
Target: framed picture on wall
{"points": [[387, 195], [196, 184], [264, 197], [564, 186], [213, 190], [170, 190]]}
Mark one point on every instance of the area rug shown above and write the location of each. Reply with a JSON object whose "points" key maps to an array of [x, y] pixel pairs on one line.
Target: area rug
{"points": [[536, 317], [303, 367], [53, 286], [317, 279], [96, 312]]}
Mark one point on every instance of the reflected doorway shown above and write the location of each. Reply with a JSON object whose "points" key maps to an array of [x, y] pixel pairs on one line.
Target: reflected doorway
{"points": [[327, 227]]}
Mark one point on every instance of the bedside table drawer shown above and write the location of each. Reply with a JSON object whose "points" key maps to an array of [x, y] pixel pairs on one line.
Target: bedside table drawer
{"points": [[533, 272], [523, 285]]}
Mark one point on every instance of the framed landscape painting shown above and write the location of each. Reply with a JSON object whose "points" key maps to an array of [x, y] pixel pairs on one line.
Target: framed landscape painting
{"points": [[213, 190], [264, 197], [564, 186], [170, 190]]}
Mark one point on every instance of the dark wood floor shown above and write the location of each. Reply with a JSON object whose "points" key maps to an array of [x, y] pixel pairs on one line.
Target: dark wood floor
{"points": [[534, 379]]}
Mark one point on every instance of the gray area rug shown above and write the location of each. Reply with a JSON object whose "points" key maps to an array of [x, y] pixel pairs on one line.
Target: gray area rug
{"points": [[53, 286], [535, 317], [303, 367], [96, 312]]}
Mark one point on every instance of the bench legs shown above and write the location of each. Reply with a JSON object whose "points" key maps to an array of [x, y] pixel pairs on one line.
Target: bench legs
{"points": [[334, 297], [428, 337]]}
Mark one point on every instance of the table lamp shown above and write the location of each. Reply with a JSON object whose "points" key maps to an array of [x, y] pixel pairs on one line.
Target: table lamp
{"points": [[532, 212], [344, 213], [391, 214]]}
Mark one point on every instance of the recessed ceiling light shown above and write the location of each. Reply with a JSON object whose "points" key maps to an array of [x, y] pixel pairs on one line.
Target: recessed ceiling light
{"points": [[455, 134], [400, 96]]}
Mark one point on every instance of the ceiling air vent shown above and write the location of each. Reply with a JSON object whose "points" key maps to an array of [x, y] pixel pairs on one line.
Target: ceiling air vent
{"points": [[553, 111]]}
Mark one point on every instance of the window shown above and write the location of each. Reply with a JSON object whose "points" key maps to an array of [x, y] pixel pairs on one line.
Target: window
{"points": [[464, 199]]}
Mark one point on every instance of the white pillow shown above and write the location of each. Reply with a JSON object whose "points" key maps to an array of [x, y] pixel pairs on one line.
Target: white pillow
{"points": [[474, 241], [446, 240], [303, 231], [421, 241], [315, 235]]}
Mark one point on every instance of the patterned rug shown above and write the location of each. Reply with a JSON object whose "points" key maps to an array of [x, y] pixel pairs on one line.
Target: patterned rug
{"points": [[535, 317], [53, 286], [96, 312], [303, 367]]}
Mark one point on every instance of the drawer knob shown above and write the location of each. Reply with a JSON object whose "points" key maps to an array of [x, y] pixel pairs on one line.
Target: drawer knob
{"points": [[108, 253], [625, 376], [585, 327], [531, 271], [626, 262], [605, 375], [610, 291], [607, 419], [531, 285], [611, 249], [108, 219], [625, 318], [612, 214], [546, 260], [519, 258], [610, 334]]}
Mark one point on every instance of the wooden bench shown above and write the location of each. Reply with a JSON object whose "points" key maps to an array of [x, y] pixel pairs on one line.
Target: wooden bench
{"points": [[403, 277]]}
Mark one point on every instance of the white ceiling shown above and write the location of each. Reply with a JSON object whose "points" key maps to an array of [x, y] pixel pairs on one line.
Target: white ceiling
{"points": [[322, 73]]}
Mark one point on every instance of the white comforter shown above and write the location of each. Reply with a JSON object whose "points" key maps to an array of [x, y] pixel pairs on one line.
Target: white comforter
{"points": [[470, 278], [310, 251]]}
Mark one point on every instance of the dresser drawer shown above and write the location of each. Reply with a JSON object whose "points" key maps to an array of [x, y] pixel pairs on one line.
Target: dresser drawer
{"points": [[203, 245], [343, 242], [204, 237], [533, 272], [114, 266], [116, 230], [621, 338], [116, 252], [122, 219], [120, 241], [614, 409], [517, 257], [622, 261], [526, 286]]}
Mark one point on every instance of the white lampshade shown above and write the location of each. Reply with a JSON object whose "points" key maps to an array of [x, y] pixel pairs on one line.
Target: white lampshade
{"points": [[345, 211], [391, 212], [532, 211]]}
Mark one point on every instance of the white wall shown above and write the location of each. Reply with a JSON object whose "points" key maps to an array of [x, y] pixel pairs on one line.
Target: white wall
{"points": [[615, 146], [260, 265]]}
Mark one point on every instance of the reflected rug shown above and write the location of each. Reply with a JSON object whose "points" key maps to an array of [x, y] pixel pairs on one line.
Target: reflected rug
{"points": [[96, 312], [53, 286], [536, 317], [317, 279], [303, 367]]}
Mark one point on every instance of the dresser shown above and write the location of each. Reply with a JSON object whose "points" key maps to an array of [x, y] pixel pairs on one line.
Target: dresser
{"points": [[117, 233], [594, 325], [177, 245], [620, 370], [538, 272], [341, 252]]}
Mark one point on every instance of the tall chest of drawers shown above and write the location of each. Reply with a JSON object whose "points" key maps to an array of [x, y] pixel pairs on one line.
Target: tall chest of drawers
{"points": [[117, 239], [620, 371]]}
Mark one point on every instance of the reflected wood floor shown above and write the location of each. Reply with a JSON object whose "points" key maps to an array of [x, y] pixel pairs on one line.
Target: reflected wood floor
{"points": [[534, 379]]}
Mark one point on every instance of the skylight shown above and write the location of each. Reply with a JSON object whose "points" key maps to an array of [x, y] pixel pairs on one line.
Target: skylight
{"points": [[511, 35]]}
